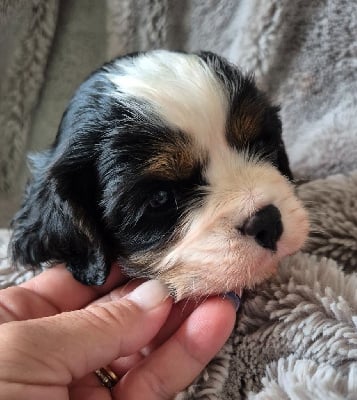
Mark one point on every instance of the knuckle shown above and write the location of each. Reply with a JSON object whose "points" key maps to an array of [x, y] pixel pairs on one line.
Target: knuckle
{"points": [[112, 314]]}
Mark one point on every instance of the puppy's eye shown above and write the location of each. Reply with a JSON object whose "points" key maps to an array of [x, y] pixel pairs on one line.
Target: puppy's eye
{"points": [[162, 199]]}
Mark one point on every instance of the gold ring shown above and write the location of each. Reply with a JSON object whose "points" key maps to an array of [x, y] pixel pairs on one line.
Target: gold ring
{"points": [[107, 377]]}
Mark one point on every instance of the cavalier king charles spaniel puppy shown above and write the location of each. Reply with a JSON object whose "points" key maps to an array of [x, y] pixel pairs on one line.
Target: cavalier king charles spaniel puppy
{"points": [[172, 165]]}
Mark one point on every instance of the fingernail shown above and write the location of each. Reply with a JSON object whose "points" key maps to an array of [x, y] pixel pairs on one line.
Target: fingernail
{"points": [[234, 299], [149, 294]]}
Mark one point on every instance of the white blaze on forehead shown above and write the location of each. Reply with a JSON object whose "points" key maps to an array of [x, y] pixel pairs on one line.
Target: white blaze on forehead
{"points": [[183, 90]]}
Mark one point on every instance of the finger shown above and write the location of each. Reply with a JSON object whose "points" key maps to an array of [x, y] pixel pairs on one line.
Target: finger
{"points": [[58, 349], [53, 291], [58, 286], [174, 365], [120, 292], [178, 314], [123, 364]]}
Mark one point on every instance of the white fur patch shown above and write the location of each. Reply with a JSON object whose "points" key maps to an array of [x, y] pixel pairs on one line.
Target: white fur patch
{"points": [[183, 90]]}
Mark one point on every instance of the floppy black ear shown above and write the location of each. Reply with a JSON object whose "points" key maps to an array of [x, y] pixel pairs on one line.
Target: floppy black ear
{"points": [[273, 130], [59, 219], [283, 161]]}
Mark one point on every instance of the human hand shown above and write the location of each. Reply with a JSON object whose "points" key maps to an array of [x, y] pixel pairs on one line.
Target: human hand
{"points": [[55, 332]]}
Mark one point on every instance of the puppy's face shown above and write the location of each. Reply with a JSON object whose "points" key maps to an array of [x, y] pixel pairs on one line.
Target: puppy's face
{"points": [[174, 165]]}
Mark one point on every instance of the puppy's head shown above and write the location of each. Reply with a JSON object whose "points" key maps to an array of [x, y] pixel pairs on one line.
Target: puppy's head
{"points": [[172, 164]]}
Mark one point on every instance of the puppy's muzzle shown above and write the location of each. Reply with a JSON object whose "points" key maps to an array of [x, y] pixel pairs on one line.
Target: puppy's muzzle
{"points": [[265, 227]]}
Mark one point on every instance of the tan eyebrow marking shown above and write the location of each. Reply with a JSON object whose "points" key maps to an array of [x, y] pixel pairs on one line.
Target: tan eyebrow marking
{"points": [[245, 122], [174, 160]]}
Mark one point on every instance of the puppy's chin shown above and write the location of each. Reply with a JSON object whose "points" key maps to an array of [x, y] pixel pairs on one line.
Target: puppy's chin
{"points": [[189, 280], [232, 270]]}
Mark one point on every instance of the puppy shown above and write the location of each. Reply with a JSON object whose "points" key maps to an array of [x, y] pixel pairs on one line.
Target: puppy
{"points": [[174, 166]]}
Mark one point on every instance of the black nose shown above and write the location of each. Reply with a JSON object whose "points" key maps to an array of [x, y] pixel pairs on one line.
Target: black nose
{"points": [[265, 226]]}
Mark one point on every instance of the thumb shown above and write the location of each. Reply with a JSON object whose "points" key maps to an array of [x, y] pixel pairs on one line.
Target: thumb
{"points": [[55, 350]]}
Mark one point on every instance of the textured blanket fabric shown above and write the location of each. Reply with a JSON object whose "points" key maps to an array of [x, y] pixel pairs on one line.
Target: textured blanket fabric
{"points": [[26, 32], [296, 335]]}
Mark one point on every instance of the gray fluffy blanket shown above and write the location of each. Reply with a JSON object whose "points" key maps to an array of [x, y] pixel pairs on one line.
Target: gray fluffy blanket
{"points": [[296, 335]]}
